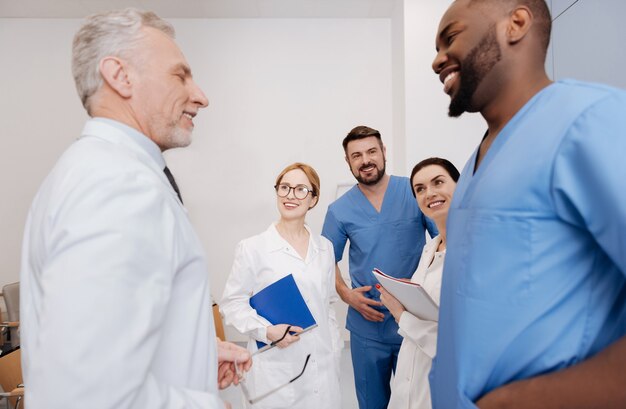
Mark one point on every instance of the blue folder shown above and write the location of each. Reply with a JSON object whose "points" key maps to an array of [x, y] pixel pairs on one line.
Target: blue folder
{"points": [[281, 303]]}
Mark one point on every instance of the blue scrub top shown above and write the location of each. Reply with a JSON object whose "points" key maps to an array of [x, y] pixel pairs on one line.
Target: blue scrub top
{"points": [[534, 279], [391, 241]]}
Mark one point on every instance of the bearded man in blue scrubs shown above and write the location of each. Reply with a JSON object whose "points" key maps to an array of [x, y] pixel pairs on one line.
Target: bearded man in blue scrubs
{"points": [[385, 227], [533, 301]]}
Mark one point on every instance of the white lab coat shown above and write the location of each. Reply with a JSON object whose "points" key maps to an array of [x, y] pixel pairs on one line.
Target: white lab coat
{"points": [[260, 261], [115, 304], [410, 388]]}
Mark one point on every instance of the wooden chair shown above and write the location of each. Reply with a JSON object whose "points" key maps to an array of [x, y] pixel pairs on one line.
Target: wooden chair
{"points": [[10, 327], [11, 378]]}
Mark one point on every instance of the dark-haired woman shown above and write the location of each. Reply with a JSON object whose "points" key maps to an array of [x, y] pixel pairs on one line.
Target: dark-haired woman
{"points": [[433, 182]]}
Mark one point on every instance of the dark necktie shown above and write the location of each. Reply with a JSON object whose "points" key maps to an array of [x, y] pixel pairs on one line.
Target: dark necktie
{"points": [[170, 177]]}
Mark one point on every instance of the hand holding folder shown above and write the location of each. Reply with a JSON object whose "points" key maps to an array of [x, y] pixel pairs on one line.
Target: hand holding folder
{"points": [[283, 335], [282, 303]]}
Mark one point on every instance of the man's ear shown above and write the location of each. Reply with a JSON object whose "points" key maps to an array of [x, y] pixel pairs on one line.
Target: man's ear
{"points": [[520, 22], [115, 73]]}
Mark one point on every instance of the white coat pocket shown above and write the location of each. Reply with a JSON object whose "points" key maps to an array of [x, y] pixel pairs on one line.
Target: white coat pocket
{"points": [[267, 376]]}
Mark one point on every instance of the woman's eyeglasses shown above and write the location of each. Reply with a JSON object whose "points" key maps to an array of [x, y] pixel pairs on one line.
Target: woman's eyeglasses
{"points": [[300, 191]]}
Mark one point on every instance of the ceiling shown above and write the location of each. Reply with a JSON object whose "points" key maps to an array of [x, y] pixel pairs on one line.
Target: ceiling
{"points": [[203, 8]]}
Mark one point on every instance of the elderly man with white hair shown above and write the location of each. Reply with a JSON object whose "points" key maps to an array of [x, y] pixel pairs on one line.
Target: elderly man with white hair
{"points": [[116, 309]]}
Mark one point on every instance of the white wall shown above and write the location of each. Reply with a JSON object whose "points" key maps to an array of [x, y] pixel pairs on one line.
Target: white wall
{"points": [[398, 87], [429, 130], [40, 115], [587, 41], [281, 91]]}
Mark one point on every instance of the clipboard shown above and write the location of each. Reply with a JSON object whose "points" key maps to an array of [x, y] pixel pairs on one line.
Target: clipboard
{"points": [[412, 295]]}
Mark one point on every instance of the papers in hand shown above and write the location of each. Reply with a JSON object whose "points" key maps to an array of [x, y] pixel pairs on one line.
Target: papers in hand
{"points": [[282, 303], [412, 295]]}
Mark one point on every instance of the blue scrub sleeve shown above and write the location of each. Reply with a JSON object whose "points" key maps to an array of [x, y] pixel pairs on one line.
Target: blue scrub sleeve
{"points": [[589, 174], [334, 231]]}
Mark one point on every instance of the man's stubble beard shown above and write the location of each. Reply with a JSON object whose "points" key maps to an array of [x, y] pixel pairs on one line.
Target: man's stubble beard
{"points": [[478, 63]]}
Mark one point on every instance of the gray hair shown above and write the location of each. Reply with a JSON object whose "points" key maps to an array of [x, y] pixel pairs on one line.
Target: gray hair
{"points": [[111, 33]]}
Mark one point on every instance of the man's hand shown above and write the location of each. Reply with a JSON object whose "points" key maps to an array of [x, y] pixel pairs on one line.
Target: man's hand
{"points": [[393, 305], [229, 355], [356, 299], [276, 332]]}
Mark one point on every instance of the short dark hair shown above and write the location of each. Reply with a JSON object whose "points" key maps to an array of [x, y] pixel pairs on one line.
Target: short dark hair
{"points": [[540, 11], [444, 163], [361, 132]]}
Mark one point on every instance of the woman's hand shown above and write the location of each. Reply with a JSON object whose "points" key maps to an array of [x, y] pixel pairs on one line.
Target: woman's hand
{"points": [[393, 305], [276, 332]]}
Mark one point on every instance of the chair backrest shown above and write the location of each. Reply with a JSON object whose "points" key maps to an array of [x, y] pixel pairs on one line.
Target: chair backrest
{"points": [[11, 370], [11, 294]]}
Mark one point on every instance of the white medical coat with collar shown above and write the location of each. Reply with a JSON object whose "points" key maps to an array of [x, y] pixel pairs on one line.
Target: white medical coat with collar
{"points": [[260, 261], [410, 388], [115, 305]]}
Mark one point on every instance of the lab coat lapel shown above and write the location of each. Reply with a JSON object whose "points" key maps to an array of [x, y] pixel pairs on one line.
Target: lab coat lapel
{"points": [[114, 135]]}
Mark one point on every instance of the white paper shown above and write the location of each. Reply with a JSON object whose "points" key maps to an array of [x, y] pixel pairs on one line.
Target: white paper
{"points": [[412, 295]]}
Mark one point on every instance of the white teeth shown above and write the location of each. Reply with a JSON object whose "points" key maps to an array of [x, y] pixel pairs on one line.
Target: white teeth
{"points": [[450, 77], [188, 115], [435, 204]]}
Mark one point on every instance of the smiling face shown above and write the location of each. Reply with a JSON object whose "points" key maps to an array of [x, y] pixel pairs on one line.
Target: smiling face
{"points": [[366, 158], [433, 189], [478, 63], [467, 53], [290, 207], [165, 97]]}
